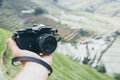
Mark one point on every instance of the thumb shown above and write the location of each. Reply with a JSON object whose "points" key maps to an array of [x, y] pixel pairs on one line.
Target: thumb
{"points": [[13, 46]]}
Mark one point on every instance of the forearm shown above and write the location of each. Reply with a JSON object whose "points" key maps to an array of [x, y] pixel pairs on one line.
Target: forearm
{"points": [[32, 71]]}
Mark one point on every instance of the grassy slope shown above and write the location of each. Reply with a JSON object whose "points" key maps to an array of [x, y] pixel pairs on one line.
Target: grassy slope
{"points": [[3, 36], [64, 68]]}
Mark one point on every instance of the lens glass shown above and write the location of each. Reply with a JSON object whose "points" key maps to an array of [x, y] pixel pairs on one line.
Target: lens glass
{"points": [[49, 44]]}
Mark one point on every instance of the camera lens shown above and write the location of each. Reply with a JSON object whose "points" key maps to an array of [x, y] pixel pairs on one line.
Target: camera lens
{"points": [[47, 43]]}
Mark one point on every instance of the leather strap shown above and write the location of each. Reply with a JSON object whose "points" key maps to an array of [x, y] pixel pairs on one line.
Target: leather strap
{"points": [[17, 61]]}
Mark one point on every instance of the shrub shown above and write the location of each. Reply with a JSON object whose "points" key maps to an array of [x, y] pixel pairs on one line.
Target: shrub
{"points": [[84, 32], [101, 68], [117, 76], [39, 11]]}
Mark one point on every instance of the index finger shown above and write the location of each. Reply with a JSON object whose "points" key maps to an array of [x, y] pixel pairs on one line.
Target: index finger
{"points": [[13, 46]]}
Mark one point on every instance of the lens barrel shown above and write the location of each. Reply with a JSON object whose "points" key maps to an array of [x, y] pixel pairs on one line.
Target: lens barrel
{"points": [[47, 44]]}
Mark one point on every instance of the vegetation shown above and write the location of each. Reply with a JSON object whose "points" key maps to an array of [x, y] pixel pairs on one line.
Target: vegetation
{"points": [[101, 68], [117, 76], [39, 11], [1, 3]]}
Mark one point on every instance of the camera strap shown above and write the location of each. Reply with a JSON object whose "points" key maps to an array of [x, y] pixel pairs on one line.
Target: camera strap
{"points": [[17, 61]]}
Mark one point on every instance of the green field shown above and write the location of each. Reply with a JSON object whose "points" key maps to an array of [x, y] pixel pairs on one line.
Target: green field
{"points": [[64, 68]]}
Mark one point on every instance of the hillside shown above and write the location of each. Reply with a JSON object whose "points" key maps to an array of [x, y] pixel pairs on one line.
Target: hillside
{"points": [[68, 22], [72, 19], [63, 67], [11, 17], [104, 7]]}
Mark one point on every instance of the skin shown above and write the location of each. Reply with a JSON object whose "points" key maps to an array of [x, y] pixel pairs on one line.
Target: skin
{"points": [[30, 70]]}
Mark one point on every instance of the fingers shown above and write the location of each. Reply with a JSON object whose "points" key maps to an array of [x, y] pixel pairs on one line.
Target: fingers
{"points": [[14, 48]]}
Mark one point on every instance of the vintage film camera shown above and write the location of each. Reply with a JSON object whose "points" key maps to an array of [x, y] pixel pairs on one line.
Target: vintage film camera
{"points": [[40, 39]]}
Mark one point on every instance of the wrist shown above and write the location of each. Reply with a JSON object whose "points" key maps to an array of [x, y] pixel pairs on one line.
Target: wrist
{"points": [[35, 67], [18, 60], [32, 71]]}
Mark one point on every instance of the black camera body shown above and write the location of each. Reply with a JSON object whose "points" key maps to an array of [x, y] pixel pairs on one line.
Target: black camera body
{"points": [[38, 39]]}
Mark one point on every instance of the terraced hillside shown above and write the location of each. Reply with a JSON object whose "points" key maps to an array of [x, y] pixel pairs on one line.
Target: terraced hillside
{"points": [[11, 17], [10, 13], [106, 7], [63, 67], [9, 20]]}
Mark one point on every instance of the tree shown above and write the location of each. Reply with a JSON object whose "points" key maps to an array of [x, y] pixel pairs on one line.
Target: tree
{"points": [[1, 3]]}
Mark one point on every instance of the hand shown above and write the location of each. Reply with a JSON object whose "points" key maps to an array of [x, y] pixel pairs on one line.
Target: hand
{"points": [[17, 52]]}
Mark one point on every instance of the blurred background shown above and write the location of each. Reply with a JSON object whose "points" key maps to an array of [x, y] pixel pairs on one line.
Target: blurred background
{"points": [[90, 32]]}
